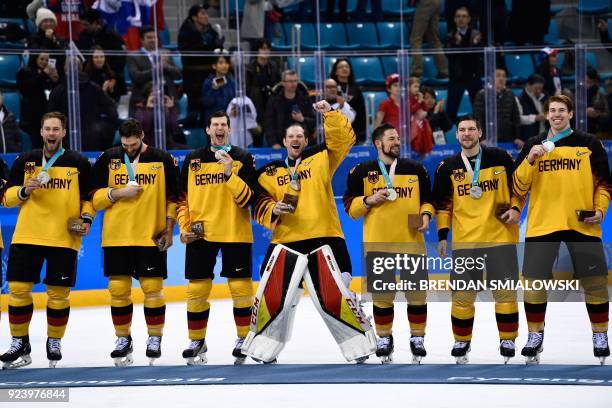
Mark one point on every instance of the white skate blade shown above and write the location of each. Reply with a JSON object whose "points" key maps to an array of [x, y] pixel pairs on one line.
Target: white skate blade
{"points": [[602, 360], [506, 359], [52, 363], [152, 360], [126, 361], [21, 362], [462, 360], [239, 360], [386, 359], [200, 359], [416, 359]]}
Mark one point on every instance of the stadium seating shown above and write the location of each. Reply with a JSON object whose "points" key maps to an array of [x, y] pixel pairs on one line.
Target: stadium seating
{"points": [[308, 37], [391, 8], [389, 64], [390, 34], [182, 107], [194, 137], [9, 65], [11, 101], [430, 71], [333, 36], [368, 71], [465, 106], [519, 67], [594, 6], [552, 38], [363, 35]]}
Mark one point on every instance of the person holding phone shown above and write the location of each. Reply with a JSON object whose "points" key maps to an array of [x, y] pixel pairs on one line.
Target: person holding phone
{"points": [[218, 89], [335, 97], [568, 176]]}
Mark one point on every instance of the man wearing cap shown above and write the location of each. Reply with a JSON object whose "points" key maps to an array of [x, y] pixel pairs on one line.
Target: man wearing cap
{"points": [[549, 70], [50, 185], [473, 197], [388, 110], [567, 175]]}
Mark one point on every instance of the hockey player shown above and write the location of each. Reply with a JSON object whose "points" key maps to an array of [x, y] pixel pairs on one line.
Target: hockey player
{"points": [[137, 186], [4, 176], [568, 176], [387, 192], [216, 188], [50, 185], [307, 242], [472, 195]]}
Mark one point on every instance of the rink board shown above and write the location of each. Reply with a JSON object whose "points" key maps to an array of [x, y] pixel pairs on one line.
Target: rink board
{"points": [[547, 374]]}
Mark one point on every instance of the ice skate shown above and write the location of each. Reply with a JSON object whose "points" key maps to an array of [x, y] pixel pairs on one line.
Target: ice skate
{"points": [[417, 348], [54, 351], [239, 356], [153, 348], [195, 353], [507, 349], [122, 354], [601, 349], [533, 348], [460, 351], [384, 349], [18, 354]]}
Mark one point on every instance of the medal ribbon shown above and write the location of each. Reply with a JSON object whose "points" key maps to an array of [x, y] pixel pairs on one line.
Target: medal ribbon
{"points": [[52, 160], [132, 167], [293, 174], [388, 176], [225, 148], [475, 173], [561, 135]]}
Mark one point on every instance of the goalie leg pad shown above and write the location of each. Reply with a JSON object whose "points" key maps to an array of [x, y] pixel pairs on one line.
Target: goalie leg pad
{"points": [[338, 306], [275, 304]]}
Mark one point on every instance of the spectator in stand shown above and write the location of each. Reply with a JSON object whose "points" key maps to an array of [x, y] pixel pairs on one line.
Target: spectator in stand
{"points": [[437, 117], [607, 126], [531, 108], [508, 117], [464, 69], [144, 112], [140, 68], [287, 106], [388, 110], [337, 100], [261, 76], [604, 34], [548, 69], [46, 38], [242, 127], [219, 88], [10, 135], [197, 35], [598, 111], [98, 112], [100, 72], [421, 136], [97, 32], [33, 81], [342, 73], [66, 13], [529, 21], [425, 24]]}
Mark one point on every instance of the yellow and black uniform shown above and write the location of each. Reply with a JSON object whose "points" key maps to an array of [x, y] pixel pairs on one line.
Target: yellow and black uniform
{"points": [[315, 221], [4, 177], [42, 234], [574, 176], [129, 229], [386, 226], [221, 204], [478, 233]]}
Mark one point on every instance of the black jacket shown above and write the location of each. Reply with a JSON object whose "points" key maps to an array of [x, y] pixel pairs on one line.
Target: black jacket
{"points": [[32, 84], [508, 116], [110, 40], [10, 135], [278, 116], [466, 66], [192, 39]]}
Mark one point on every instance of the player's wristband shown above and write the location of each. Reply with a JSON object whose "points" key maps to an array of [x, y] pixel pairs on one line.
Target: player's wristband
{"points": [[365, 204], [21, 194], [442, 234], [109, 194]]}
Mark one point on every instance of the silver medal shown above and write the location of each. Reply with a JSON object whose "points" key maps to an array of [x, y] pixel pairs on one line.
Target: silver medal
{"points": [[43, 177], [132, 183], [392, 194], [549, 146], [295, 185], [476, 192], [219, 154]]}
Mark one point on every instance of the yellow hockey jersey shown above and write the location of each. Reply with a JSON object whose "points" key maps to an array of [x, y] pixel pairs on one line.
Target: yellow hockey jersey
{"points": [[221, 203], [388, 222], [574, 176], [4, 177], [137, 221], [475, 220], [43, 217], [316, 215]]}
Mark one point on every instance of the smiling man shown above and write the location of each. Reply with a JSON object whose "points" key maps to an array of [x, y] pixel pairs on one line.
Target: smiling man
{"points": [[50, 185], [137, 186], [387, 192], [473, 196], [216, 188], [568, 176]]}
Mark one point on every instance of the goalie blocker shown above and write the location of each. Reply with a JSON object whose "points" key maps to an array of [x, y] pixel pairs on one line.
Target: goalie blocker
{"points": [[279, 293]]}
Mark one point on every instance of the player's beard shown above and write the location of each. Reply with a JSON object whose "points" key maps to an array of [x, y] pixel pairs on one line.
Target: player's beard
{"points": [[468, 144], [136, 151], [392, 151]]}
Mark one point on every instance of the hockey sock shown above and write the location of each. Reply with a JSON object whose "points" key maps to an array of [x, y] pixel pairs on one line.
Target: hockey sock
{"points": [[198, 308], [535, 309], [462, 314], [417, 312], [242, 295], [120, 288], [58, 310], [506, 314], [596, 299], [154, 305], [383, 318], [20, 307]]}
